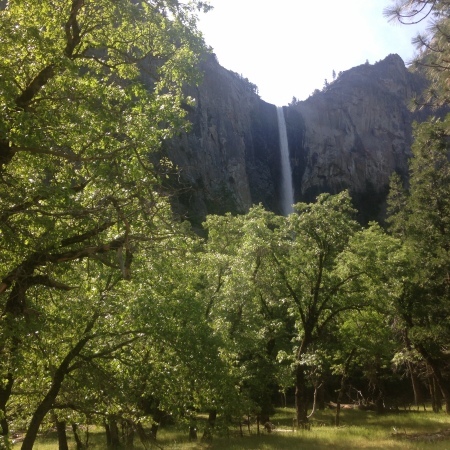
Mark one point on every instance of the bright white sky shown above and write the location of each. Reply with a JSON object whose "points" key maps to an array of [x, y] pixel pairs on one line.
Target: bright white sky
{"points": [[289, 47]]}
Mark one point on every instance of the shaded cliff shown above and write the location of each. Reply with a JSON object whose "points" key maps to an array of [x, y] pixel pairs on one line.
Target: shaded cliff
{"points": [[230, 159], [352, 135]]}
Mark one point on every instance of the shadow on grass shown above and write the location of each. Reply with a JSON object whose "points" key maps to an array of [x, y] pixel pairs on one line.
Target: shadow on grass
{"points": [[359, 430]]}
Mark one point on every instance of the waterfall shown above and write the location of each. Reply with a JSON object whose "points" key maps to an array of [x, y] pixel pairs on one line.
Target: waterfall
{"points": [[287, 192]]}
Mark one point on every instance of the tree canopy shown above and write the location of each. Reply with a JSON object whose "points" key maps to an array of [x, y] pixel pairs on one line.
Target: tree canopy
{"points": [[112, 311], [89, 89]]}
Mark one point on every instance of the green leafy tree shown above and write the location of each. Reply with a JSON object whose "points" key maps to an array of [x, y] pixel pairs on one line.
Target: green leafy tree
{"points": [[368, 334], [88, 90], [253, 329], [419, 215], [306, 270], [422, 222], [294, 279], [432, 45], [128, 354]]}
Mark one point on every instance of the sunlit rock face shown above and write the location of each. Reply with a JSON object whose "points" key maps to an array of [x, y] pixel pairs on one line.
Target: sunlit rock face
{"points": [[355, 134], [352, 135]]}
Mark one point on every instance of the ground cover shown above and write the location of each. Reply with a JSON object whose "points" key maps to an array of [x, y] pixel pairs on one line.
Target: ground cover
{"points": [[359, 430]]}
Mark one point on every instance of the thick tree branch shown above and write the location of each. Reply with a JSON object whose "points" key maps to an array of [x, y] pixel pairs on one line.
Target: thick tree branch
{"points": [[39, 259], [72, 28], [35, 86], [290, 289], [89, 234]]}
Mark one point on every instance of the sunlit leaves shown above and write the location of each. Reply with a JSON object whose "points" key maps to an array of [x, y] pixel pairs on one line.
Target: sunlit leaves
{"points": [[432, 45], [88, 90], [421, 221]]}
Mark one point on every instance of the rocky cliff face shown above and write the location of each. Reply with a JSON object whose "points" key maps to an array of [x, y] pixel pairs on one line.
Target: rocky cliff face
{"points": [[352, 135], [230, 159], [355, 134]]}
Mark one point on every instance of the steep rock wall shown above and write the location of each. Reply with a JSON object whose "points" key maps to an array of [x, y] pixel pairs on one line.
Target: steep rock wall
{"points": [[230, 159], [352, 135], [355, 134]]}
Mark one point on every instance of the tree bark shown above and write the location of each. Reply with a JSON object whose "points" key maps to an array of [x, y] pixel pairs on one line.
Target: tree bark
{"points": [[107, 434], [80, 445], [301, 406], [314, 407], [439, 377], [128, 434], [41, 411], [300, 396], [321, 395], [208, 433], [436, 403], [417, 388], [5, 393], [192, 428], [157, 419], [58, 378], [344, 379], [62, 435], [114, 434]]}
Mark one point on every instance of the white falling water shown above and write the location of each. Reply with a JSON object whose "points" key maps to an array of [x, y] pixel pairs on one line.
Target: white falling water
{"points": [[287, 192]]}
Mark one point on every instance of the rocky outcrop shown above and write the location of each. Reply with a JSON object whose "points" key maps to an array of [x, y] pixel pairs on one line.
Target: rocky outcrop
{"points": [[351, 135], [355, 134], [229, 160]]}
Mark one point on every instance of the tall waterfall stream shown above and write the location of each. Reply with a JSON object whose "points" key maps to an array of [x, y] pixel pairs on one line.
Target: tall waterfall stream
{"points": [[287, 192]]}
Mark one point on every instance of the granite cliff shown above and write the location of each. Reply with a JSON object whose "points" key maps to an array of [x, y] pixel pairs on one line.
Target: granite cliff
{"points": [[351, 135]]}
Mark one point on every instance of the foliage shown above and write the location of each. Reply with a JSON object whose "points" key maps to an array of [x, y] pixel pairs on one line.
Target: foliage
{"points": [[88, 90], [420, 217], [432, 46], [112, 311], [288, 289]]}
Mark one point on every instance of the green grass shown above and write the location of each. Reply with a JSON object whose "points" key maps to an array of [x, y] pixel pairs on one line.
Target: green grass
{"points": [[358, 430]]}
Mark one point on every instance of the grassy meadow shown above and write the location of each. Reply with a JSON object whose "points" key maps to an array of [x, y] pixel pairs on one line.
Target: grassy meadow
{"points": [[358, 430]]}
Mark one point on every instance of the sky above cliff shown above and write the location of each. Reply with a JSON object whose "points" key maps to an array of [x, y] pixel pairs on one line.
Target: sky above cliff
{"points": [[289, 47]]}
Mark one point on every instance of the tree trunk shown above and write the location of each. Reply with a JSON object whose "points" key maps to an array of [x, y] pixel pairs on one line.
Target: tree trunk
{"points": [[114, 435], [344, 378], [337, 417], [443, 384], [80, 445], [192, 428], [301, 406], [5, 393], [157, 418], [379, 402], [154, 429], [128, 434], [283, 398], [300, 396], [208, 433], [321, 397], [416, 386], [47, 403], [314, 407], [436, 397], [62, 435], [415, 382], [107, 434], [42, 410], [14, 309], [144, 438]]}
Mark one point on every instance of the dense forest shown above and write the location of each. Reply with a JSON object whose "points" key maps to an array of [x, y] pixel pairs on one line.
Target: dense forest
{"points": [[115, 312]]}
